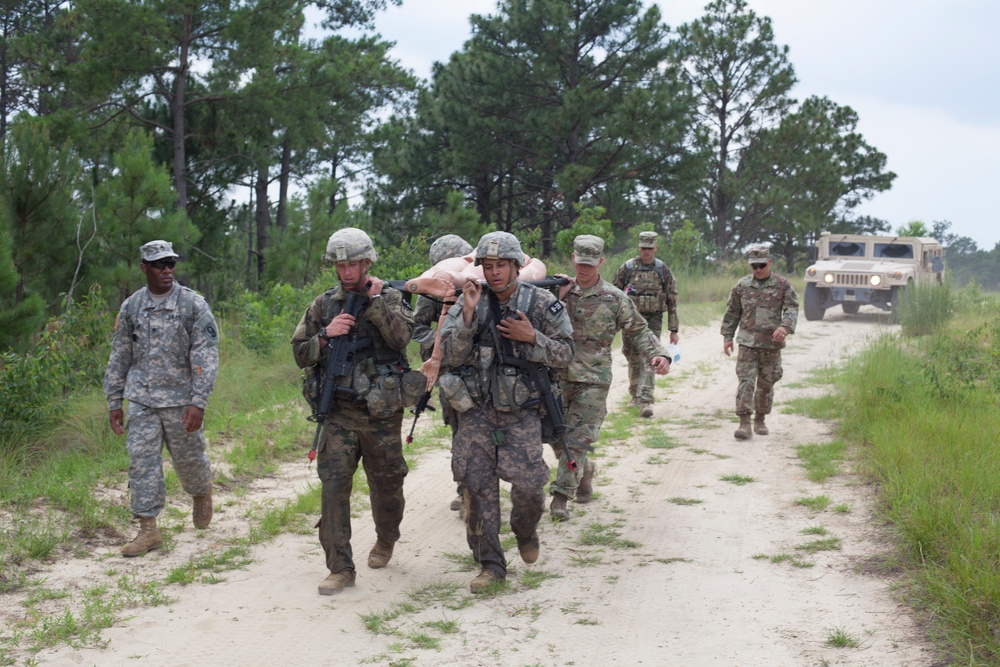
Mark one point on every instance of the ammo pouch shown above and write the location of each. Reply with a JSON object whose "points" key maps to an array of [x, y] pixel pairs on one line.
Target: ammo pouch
{"points": [[510, 389], [649, 303], [455, 392], [387, 388], [310, 385]]}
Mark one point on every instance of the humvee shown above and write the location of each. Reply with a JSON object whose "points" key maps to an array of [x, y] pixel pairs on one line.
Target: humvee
{"points": [[855, 269]]}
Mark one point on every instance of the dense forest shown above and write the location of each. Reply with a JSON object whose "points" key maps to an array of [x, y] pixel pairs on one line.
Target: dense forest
{"points": [[247, 131]]}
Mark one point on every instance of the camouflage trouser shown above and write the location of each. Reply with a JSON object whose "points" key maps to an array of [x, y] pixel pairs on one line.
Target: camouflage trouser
{"points": [[450, 417], [379, 447], [148, 430], [584, 409], [760, 367], [491, 446], [641, 378]]}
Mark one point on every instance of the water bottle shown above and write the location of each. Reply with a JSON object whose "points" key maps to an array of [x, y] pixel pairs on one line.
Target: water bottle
{"points": [[674, 353]]}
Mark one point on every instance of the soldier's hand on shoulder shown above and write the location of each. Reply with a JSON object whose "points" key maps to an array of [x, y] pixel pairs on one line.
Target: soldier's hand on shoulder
{"points": [[472, 291], [374, 286]]}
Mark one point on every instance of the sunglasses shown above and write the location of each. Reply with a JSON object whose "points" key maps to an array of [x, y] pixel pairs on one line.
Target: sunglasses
{"points": [[758, 267], [161, 264]]}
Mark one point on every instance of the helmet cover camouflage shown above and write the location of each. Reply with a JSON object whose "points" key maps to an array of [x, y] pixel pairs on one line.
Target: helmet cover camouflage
{"points": [[500, 245], [448, 246], [350, 245]]}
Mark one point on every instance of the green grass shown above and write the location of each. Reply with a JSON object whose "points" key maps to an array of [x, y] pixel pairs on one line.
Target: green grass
{"points": [[738, 480], [821, 461], [816, 503]]}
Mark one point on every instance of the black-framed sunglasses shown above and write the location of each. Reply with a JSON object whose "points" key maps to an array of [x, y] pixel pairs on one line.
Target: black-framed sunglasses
{"points": [[161, 264], [758, 267]]}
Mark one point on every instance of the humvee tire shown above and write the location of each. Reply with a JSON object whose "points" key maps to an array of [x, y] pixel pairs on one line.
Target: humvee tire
{"points": [[851, 307], [812, 306]]}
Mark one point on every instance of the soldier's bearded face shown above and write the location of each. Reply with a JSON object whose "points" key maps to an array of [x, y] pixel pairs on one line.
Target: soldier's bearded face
{"points": [[353, 275]]}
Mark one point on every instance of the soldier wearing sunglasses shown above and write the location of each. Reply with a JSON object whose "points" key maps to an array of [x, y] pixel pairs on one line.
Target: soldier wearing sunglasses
{"points": [[765, 307], [164, 358]]}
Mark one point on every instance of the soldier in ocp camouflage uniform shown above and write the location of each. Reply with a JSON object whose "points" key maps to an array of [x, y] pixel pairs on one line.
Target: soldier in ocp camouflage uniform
{"points": [[499, 425], [651, 286], [164, 359], [428, 312], [597, 310], [765, 307], [365, 422]]}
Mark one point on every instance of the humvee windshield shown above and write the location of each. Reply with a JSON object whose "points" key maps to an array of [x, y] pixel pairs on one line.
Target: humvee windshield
{"points": [[847, 249], [894, 250]]}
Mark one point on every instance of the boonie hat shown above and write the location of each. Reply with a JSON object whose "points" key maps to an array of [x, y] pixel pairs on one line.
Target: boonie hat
{"points": [[647, 239], [155, 250], [758, 254], [587, 249]]}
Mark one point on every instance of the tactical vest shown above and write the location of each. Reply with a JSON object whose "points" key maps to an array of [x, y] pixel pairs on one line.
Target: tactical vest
{"points": [[381, 376], [646, 285], [503, 386], [185, 306]]}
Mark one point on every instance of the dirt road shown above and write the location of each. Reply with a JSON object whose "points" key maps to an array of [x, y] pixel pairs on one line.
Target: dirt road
{"points": [[670, 565]]}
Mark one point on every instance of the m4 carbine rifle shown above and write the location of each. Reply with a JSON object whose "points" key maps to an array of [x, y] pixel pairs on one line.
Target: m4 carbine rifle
{"points": [[339, 363]]}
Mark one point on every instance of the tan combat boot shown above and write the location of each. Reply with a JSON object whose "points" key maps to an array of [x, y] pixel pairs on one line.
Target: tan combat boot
{"points": [[558, 507], [483, 581], [585, 490], [202, 513], [336, 582], [759, 427], [149, 538], [743, 432], [380, 554], [528, 548]]}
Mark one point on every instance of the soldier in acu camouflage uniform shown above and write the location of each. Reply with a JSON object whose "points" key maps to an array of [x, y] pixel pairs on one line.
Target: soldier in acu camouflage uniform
{"points": [[597, 310], [765, 307], [364, 424], [653, 290], [164, 358], [428, 312], [499, 424]]}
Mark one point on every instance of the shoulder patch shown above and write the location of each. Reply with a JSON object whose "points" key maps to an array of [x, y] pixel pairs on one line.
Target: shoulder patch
{"points": [[556, 307]]}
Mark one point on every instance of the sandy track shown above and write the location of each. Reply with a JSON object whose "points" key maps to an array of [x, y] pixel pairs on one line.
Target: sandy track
{"points": [[677, 585]]}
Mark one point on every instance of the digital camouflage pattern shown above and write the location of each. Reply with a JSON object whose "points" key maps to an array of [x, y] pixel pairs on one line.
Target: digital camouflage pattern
{"points": [[162, 363], [428, 312], [757, 308], [148, 430], [351, 432], [448, 246], [596, 313], [490, 444], [155, 360]]}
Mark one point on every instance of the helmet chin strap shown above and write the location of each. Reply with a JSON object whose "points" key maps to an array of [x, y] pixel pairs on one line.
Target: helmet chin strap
{"points": [[513, 279]]}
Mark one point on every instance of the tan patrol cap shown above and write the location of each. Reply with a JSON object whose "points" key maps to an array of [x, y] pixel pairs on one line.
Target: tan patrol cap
{"points": [[758, 254], [587, 249], [647, 239], [155, 250]]}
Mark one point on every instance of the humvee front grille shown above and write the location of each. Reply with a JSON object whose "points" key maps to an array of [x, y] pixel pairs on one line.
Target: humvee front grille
{"points": [[851, 279]]}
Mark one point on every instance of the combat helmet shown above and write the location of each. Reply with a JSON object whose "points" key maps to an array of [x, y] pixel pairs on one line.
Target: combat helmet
{"points": [[448, 246], [500, 245], [350, 245]]}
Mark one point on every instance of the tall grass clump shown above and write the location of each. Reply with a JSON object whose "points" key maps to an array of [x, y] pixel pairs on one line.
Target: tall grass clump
{"points": [[925, 414], [925, 309]]}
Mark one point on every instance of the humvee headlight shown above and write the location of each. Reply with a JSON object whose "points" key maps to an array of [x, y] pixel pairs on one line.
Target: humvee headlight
{"points": [[875, 280], [811, 271], [897, 274], [829, 278]]}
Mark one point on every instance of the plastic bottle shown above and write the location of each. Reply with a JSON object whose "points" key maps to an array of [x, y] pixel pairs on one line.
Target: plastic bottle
{"points": [[674, 352]]}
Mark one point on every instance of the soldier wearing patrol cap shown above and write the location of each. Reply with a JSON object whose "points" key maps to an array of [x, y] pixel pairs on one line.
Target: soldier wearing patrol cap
{"points": [[427, 314], [597, 310], [164, 359], [653, 290], [368, 416], [765, 308], [499, 425]]}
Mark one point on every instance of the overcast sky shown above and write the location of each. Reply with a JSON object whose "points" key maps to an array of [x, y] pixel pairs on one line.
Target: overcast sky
{"points": [[923, 76]]}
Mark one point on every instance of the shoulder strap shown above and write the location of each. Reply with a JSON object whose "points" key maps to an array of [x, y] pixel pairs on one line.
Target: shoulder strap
{"points": [[661, 268]]}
